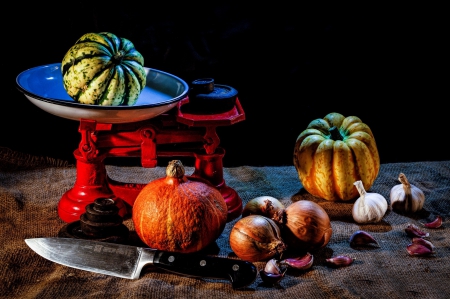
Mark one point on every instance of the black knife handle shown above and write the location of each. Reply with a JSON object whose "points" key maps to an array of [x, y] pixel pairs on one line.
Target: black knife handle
{"points": [[240, 273]]}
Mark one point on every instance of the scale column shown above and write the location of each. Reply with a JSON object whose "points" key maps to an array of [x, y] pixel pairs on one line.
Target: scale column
{"points": [[210, 167], [91, 182]]}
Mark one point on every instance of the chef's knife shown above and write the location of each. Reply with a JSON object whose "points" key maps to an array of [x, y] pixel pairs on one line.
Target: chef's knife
{"points": [[127, 261]]}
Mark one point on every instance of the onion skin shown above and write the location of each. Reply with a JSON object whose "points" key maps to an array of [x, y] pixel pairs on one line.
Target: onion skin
{"points": [[306, 226], [256, 238], [267, 206]]}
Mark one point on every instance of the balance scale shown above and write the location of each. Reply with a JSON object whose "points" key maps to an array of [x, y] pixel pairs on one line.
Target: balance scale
{"points": [[166, 121]]}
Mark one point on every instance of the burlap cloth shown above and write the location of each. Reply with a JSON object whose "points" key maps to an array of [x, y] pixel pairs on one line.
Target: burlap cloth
{"points": [[30, 189]]}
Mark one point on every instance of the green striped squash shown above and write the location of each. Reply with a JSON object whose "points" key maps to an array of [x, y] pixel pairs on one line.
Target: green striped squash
{"points": [[103, 69]]}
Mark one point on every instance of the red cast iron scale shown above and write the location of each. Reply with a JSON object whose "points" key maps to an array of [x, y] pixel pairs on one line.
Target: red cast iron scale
{"points": [[184, 131]]}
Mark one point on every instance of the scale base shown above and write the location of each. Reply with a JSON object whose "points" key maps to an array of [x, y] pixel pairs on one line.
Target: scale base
{"points": [[93, 183]]}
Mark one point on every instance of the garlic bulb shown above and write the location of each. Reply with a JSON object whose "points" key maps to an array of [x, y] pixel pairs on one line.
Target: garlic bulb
{"points": [[369, 207], [405, 197]]}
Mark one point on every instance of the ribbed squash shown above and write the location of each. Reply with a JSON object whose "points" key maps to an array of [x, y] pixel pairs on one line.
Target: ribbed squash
{"points": [[103, 69], [334, 152], [179, 213]]}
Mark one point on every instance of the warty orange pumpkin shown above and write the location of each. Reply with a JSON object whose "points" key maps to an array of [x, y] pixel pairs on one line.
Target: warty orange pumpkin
{"points": [[334, 152], [179, 213]]}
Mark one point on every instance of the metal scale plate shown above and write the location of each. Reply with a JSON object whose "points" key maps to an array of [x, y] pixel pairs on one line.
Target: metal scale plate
{"points": [[43, 86]]}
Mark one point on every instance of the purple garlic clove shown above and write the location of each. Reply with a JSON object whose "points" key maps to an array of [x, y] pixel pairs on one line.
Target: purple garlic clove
{"points": [[272, 273], [413, 231], [301, 263], [340, 261], [362, 238], [423, 242], [270, 278], [435, 223], [272, 267], [415, 249]]}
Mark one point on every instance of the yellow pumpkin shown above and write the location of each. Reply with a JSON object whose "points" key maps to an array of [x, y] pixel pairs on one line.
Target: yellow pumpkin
{"points": [[334, 152]]}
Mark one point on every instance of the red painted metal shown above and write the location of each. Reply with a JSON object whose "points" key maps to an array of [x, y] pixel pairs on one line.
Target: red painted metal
{"points": [[178, 133]]}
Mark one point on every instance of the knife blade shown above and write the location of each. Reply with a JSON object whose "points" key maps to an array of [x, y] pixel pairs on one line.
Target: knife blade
{"points": [[127, 261]]}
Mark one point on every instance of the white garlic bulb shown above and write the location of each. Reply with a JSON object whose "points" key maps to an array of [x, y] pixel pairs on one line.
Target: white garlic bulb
{"points": [[405, 197], [369, 207]]}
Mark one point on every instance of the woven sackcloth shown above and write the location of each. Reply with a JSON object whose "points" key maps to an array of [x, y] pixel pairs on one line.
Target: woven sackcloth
{"points": [[29, 194]]}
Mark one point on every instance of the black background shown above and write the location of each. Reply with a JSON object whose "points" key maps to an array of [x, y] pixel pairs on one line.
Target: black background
{"points": [[291, 63]]}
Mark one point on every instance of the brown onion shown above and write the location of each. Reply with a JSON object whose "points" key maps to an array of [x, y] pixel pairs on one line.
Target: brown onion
{"points": [[267, 206], [256, 238], [306, 225]]}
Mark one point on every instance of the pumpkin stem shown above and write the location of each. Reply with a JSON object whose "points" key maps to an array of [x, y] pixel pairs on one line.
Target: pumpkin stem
{"points": [[175, 169], [335, 134], [117, 58]]}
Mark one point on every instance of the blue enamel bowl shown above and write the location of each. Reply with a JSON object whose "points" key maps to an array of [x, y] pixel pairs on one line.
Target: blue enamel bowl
{"points": [[43, 86]]}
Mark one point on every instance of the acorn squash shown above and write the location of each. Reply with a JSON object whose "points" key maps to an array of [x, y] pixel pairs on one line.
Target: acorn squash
{"points": [[334, 152], [103, 69]]}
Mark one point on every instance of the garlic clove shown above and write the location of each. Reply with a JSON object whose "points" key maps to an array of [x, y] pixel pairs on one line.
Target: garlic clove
{"points": [[270, 278], [340, 261], [362, 238], [435, 223], [415, 249], [423, 242], [272, 273], [301, 263], [272, 267], [413, 231]]}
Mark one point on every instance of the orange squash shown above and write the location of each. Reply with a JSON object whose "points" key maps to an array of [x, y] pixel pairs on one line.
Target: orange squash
{"points": [[334, 152], [179, 213]]}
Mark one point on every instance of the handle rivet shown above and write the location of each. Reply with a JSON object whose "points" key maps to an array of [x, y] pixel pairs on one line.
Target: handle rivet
{"points": [[171, 258], [202, 263], [235, 267]]}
